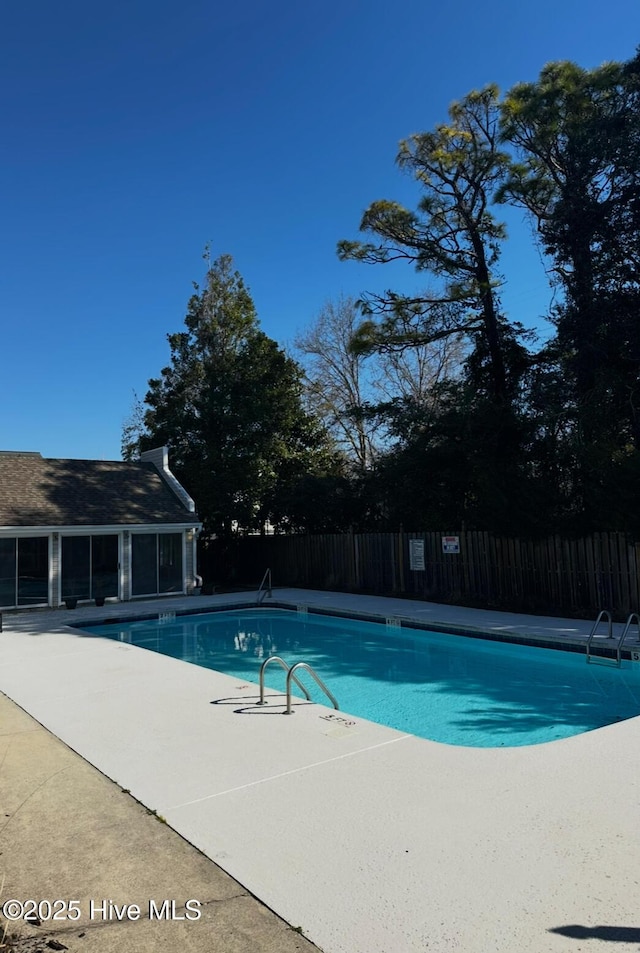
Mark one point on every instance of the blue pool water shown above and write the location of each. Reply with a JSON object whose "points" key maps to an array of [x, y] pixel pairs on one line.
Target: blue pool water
{"points": [[453, 689]]}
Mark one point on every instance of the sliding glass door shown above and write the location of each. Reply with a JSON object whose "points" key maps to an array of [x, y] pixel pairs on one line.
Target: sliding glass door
{"points": [[89, 567], [76, 567], [8, 572], [24, 571], [156, 563], [170, 562], [144, 564], [104, 566]]}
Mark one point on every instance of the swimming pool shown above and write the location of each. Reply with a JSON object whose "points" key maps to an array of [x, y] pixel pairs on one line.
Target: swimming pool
{"points": [[448, 688]]}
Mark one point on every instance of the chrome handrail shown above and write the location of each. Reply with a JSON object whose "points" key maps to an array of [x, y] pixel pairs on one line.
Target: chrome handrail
{"points": [[603, 614], [261, 588], [618, 659], [628, 623], [290, 676], [281, 661]]}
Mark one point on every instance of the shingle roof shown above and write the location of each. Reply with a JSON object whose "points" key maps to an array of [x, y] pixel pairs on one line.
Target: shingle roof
{"points": [[36, 491]]}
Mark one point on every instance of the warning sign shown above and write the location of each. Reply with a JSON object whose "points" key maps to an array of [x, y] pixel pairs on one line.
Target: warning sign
{"points": [[416, 554], [450, 544]]}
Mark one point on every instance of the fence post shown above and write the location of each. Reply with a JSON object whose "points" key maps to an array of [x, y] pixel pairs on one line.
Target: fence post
{"points": [[401, 558], [356, 560]]}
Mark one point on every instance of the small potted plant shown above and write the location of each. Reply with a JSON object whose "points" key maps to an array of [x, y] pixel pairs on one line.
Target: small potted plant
{"points": [[71, 602]]}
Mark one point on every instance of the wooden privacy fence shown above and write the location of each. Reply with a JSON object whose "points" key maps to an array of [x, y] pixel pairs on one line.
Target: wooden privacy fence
{"points": [[572, 576]]}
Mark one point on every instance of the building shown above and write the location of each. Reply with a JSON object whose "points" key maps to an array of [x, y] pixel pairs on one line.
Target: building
{"points": [[93, 530]]}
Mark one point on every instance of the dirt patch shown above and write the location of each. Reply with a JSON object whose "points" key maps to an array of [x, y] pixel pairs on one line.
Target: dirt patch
{"points": [[12, 941]]}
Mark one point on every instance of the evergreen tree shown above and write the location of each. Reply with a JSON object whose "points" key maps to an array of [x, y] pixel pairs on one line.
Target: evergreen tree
{"points": [[577, 133], [453, 237], [229, 407]]}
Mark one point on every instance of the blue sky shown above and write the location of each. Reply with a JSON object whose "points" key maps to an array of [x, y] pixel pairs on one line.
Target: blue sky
{"points": [[133, 133]]}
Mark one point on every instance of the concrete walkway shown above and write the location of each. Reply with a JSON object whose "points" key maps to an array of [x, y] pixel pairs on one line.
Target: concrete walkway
{"points": [[370, 840], [68, 832]]}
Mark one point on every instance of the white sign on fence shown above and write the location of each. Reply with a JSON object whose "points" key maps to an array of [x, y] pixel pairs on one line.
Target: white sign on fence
{"points": [[450, 544], [416, 554]]}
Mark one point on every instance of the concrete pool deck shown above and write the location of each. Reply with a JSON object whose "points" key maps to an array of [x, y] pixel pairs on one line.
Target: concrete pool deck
{"points": [[370, 840]]}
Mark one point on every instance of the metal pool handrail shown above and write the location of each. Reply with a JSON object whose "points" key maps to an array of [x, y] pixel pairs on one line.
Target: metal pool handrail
{"points": [[603, 614], [290, 676], [628, 624], [262, 591], [280, 661], [618, 659]]}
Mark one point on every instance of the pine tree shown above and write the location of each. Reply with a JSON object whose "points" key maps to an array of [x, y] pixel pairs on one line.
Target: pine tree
{"points": [[229, 407]]}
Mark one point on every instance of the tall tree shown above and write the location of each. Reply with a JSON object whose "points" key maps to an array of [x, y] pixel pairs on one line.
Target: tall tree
{"points": [[577, 132], [337, 381], [229, 407], [350, 391], [453, 237], [573, 177], [132, 430]]}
